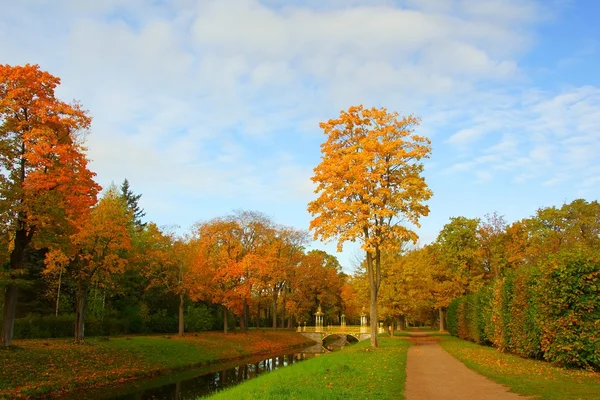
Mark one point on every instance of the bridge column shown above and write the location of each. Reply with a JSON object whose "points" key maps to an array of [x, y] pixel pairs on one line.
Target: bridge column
{"points": [[319, 319]]}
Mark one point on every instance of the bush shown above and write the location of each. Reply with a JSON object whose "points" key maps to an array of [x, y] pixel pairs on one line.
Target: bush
{"points": [[50, 326], [452, 316], [550, 311], [525, 333], [484, 314], [570, 304], [199, 318], [160, 322]]}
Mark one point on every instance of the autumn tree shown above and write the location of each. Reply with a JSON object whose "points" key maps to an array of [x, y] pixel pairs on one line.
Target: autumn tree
{"points": [[231, 251], [45, 184], [492, 241], [96, 252], [405, 286], [369, 186], [317, 281], [283, 252], [354, 295]]}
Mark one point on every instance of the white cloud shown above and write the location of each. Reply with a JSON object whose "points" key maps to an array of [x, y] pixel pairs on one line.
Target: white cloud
{"points": [[199, 99]]}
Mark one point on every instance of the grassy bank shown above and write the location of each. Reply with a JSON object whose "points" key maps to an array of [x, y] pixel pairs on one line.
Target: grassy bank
{"points": [[40, 366], [357, 372], [525, 376]]}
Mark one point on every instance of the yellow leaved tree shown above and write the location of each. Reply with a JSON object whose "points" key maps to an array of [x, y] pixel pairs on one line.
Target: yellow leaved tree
{"points": [[369, 186]]}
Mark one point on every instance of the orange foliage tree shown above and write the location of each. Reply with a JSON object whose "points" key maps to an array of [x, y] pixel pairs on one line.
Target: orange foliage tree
{"points": [[231, 251], [285, 249], [96, 251], [45, 185], [369, 185], [354, 295], [316, 281]]}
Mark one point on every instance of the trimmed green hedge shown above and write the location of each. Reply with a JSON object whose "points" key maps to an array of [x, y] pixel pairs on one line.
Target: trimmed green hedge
{"points": [[550, 311], [197, 318]]}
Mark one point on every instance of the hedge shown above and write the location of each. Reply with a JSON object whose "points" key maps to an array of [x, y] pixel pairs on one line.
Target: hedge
{"points": [[550, 311], [198, 318]]}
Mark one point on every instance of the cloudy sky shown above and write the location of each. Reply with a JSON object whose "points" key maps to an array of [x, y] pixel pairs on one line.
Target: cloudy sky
{"points": [[208, 106]]}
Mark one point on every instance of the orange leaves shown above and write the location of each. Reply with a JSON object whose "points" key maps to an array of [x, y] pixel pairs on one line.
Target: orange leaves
{"points": [[369, 180], [95, 251], [231, 252], [48, 180], [369, 175], [46, 185]]}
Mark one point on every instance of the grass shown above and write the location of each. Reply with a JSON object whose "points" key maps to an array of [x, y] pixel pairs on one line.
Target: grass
{"points": [[38, 366], [525, 376], [356, 372]]}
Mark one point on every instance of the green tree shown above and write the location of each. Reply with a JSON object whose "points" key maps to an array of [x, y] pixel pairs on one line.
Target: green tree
{"points": [[132, 199], [458, 252]]}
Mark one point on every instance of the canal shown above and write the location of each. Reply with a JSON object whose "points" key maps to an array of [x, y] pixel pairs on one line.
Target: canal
{"points": [[191, 384]]}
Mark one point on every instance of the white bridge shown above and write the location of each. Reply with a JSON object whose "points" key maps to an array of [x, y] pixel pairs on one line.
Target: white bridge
{"points": [[320, 333]]}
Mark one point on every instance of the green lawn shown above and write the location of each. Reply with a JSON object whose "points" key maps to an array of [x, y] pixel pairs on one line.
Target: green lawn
{"points": [[524, 376], [356, 372], [39, 366]]}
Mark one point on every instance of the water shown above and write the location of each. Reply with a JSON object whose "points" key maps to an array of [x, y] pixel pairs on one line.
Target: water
{"points": [[192, 384]]}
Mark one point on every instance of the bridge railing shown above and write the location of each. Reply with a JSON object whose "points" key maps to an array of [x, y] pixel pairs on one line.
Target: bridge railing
{"points": [[348, 329]]}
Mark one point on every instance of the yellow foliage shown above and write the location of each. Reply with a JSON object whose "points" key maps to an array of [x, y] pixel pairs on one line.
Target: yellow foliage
{"points": [[369, 179]]}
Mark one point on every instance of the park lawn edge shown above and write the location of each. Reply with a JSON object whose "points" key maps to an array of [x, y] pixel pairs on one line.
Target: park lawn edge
{"points": [[536, 378], [98, 380], [354, 372]]}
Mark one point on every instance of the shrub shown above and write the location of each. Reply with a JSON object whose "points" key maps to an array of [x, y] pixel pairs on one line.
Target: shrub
{"points": [[550, 311], [485, 306], [525, 333], [161, 322], [452, 316], [570, 304], [199, 318]]}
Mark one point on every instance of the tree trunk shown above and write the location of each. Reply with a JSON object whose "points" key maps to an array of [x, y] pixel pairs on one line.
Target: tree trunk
{"points": [[103, 303], [274, 309], [181, 325], [442, 322], [17, 262], [225, 320], [80, 312], [290, 322], [257, 321], [178, 390], [401, 323], [283, 309], [373, 305], [58, 291], [8, 315], [243, 321]]}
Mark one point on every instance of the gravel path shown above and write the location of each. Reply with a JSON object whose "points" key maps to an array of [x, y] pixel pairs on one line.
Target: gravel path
{"points": [[432, 373]]}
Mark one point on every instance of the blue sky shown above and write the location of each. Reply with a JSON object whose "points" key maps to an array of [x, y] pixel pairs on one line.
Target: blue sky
{"points": [[211, 106]]}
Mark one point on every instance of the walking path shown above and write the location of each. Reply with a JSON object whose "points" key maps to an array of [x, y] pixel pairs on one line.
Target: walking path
{"points": [[432, 373]]}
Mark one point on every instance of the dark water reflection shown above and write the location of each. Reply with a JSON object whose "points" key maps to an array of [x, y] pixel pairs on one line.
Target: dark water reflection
{"points": [[192, 384]]}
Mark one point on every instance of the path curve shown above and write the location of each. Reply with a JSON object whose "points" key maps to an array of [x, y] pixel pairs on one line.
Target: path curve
{"points": [[433, 374]]}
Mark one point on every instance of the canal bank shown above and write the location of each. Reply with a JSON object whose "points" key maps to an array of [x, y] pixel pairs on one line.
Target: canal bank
{"points": [[39, 367], [198, 382]]}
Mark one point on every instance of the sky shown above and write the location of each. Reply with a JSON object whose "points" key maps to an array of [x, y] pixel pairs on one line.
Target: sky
{"points": [[210, 106]]}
